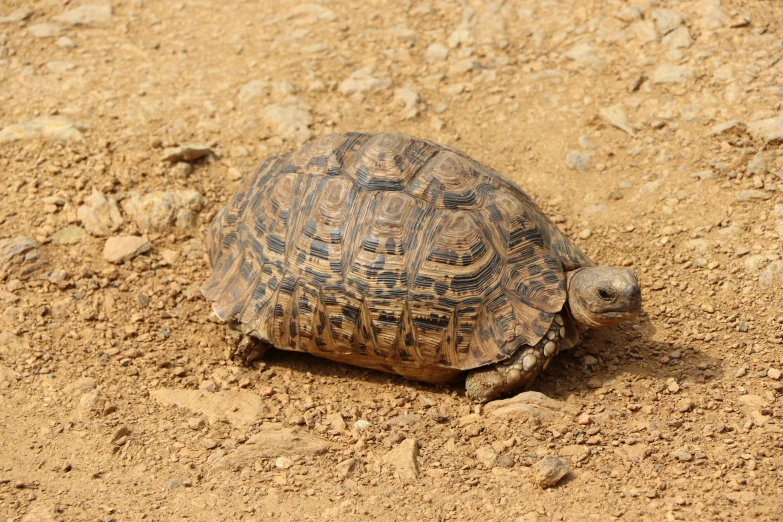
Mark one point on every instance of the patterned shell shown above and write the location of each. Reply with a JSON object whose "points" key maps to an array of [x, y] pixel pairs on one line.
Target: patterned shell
{"points": [[388, 252]]}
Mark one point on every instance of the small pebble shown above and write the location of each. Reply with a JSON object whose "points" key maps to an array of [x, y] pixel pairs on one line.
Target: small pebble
{"points": [[549, 471], [684, 405], [283, 462]]}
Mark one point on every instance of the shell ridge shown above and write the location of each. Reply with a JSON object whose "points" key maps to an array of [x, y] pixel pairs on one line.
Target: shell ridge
{"points": [[354, 226]]}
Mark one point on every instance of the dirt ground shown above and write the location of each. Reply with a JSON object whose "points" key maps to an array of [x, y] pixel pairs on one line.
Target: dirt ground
{"points": [[649, 130]]}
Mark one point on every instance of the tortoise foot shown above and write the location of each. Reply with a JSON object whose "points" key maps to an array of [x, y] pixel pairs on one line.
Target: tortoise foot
{"points": [[249, 349], [516, 372]]}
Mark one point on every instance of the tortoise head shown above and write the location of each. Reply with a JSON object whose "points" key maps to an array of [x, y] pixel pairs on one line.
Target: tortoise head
{"points": [[603, 296]]}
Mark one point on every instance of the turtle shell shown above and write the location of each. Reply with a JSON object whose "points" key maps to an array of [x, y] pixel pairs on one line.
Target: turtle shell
{"points": [[388, 252]]}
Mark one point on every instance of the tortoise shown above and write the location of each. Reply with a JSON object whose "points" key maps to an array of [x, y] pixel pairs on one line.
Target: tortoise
{"points": [[395, 253]]}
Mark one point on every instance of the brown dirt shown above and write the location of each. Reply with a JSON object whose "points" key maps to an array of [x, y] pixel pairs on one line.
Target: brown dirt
{"points": [[673, 417]]}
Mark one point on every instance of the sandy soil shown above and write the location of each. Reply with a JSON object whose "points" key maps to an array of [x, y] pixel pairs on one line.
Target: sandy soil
{"points": [[649, 130]]}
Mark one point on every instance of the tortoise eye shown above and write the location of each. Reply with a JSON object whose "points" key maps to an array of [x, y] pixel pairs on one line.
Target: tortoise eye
{"points": [[605, 295]]}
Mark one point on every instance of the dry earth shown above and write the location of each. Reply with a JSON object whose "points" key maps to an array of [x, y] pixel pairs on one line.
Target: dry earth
{"points": [[650, 130]]}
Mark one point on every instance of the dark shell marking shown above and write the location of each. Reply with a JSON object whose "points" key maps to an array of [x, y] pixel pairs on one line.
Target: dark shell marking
{"points": [[388, 252]]}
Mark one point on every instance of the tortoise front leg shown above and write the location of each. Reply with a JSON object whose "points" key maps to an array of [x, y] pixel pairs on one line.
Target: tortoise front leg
{"points": [[516, 372]]}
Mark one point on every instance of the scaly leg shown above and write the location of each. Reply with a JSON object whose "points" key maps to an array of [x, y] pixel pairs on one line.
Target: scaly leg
{"points": [[250, 349], [490, 382]]}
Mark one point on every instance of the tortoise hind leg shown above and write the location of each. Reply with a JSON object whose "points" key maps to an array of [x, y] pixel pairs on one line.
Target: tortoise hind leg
{"points": [[516, 372], [250, 349]]}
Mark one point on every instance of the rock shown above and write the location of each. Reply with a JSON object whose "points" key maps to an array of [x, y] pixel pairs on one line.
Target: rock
{"points": [[121, 432], [119, 249], [584, 54], [774, 373], [680, 38], [361, 425], [240, 408], [64, 42], [169, 257], [531, 405], [173, 483], [704, 174], [404, 459], [549, 471], [186, 153], [91, 14], [19, 256], [644, 32], [290, 122], [742, 497], [7, 376], [99, 216], [93, 400], [253, 89], [339, 511], [668, 73], [752, 195], [19, 15], [59, 278], [283, 462], [42, 513], [759, 419], [156, 211], [650, 187], [712, 14], [752, 402], [403, 420], [743, 20], [436, 53], [682, 454], [408, 98], [55, 127], [462, 66], [769, 130], [772, 275], [44, 30], [505, 461], [684, 405], [461, 36], [346, 468], [60, 66], [730, 127], [666, 20], [196, 423], [337, 423], [403, 34], [616, 116], [311, 14], [758, 165], [579, 161], [271, 442], [316, 86], [487, 456], [69, 236], [363, 81], [81, 385], [629, 13]]}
